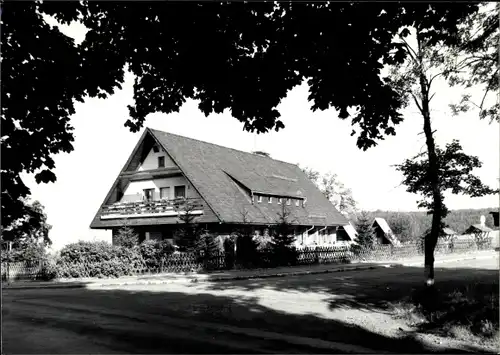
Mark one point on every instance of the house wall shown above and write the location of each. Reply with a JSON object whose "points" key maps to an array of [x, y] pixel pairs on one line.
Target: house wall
{"points": [[151, 161], [134, 191]]}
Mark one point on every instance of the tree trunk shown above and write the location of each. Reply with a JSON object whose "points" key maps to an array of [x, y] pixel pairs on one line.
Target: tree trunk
{"points": [[432, 175]]}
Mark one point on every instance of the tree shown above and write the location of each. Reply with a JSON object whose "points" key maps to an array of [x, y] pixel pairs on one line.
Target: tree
{"points": [[126, 237], [246, 246], [454, 172], [282, 239], [187, 236], [31, 228], [473, 61], [208, 246], [34, 120], [333, 189], [253, 54], [403, 226], [366, 234]]}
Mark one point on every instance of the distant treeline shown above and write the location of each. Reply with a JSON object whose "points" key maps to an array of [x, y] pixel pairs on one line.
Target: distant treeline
{"points": [[412, 225]]}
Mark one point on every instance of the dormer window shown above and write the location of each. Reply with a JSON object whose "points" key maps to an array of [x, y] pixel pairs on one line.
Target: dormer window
{"points": [[259, 199], [270, 199], [280, 201], [297, 203], [288, 201], [161, 162]]}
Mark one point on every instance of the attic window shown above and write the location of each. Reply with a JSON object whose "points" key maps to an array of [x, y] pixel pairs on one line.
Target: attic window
{"points": [[280, 201], [161, 162], [156, 149], [270, 199], [288, 201], [259, 198], [297, 203]]}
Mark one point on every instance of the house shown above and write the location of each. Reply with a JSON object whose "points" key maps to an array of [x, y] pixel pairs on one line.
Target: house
{"points": [[478, 229], [347, 234], [226, 189], [383, 232]]}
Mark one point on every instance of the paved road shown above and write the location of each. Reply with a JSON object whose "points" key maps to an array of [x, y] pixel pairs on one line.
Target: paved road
{"points": [[327, 313]]}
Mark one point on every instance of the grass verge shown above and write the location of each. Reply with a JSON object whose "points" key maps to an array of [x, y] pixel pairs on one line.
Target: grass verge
{"points": [[469, 313]]}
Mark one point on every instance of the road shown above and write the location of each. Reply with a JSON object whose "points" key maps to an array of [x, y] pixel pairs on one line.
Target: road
{"points": [[327, 313]]}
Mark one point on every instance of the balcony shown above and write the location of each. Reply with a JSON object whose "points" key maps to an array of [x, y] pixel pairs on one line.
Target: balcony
{"points": [[146, 209]]}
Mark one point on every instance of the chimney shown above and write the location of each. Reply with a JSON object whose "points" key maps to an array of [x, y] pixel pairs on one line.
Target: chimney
{"points": [[482, 220], [261, 153]]}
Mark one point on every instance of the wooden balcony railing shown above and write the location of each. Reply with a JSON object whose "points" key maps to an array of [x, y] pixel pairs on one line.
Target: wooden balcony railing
{"points": [[152, 208]]}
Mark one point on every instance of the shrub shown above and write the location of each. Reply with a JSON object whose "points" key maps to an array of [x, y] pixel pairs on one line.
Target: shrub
{"points": [[153, 251], [29, 253], [49, 271], [86, 252], [246, 249], [97, 259]]}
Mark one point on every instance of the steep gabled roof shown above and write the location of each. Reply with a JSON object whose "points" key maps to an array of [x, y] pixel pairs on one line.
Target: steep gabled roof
{"points": [[382, 223], [475, 228], [351, 231], [449, 231], [221, 175]]}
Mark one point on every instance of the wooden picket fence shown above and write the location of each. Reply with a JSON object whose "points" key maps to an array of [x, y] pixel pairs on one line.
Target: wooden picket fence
{"points": [[188, 262]]}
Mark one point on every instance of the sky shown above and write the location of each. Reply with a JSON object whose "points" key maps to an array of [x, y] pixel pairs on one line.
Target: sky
{"points": [[319, 140]]}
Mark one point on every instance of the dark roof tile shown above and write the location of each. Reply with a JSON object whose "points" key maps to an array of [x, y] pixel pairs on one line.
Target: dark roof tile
{"points": [[212, 169]]}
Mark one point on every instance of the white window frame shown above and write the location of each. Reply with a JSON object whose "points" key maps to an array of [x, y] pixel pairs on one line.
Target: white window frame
{"points": [[297, 202], [280, 201], [288, 201], [270, 199], [259, 198]]}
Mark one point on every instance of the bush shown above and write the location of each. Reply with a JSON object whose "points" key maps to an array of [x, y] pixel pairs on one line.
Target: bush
{"points": [[246, 250], [29, 253], [87, 252], [97, 259], [153, 251]]}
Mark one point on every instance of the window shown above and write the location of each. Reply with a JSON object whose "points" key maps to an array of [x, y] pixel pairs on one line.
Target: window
{"points": [[148, 194], [180, 191], [259, 198], [161, 162], [288, 201], [297, 202], [164, 192], [280, 201], [270, 199]]}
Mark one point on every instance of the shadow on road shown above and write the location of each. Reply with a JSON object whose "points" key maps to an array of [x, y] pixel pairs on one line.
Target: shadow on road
{"points": [[169, 318]]}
